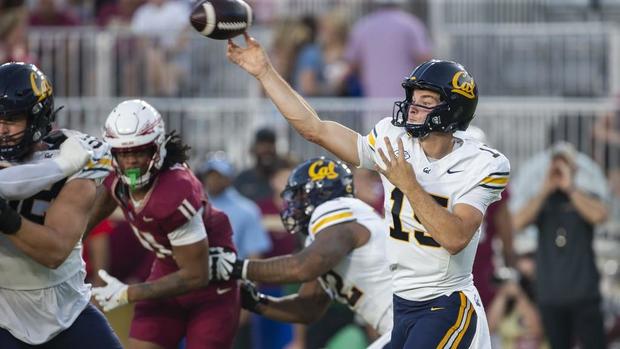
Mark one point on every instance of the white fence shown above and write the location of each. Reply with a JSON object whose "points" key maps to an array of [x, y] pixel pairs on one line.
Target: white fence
{"points": [[551, 59], [507, 60], [92, 62], [524, 11], [519, 127]]}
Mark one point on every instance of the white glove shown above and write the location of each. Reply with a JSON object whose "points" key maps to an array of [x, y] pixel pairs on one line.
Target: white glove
{"points": [[225, 265], [112, 295], [78, 149], [74, 155]]}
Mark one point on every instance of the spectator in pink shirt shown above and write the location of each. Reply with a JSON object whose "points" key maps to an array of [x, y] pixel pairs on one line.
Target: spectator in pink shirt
{"points": [[384, 45]]}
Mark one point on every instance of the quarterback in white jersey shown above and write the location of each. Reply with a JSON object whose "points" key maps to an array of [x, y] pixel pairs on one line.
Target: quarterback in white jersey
{"points": [[472, 174], [344, 257], [419, 155], [43, 298]]}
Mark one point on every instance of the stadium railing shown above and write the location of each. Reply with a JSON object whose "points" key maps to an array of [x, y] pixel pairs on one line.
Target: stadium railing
{"points": [[519, 127], [561, 59]]}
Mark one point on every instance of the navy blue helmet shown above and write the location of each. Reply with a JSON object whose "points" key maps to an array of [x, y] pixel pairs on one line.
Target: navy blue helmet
{"points": [[458, 93], [311, 184], [24, 91]]}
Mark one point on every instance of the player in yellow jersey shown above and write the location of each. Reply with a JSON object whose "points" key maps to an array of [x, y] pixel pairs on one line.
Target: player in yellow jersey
{"points": [[437, 187]]}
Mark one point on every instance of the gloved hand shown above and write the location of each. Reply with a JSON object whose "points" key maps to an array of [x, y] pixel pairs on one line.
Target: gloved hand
{"points": [[78, 149], [251, 298], [225, 265], [112, 295], [10, 220]]}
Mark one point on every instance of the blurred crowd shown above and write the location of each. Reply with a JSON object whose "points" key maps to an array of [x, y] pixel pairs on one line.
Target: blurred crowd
{"points": [[331, 54], [541, 282]]}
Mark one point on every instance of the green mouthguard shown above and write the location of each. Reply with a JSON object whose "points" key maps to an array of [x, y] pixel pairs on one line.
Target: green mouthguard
{"points": [[133, 174]]}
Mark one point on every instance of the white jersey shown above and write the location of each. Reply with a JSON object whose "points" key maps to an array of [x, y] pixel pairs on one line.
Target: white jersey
{"points": [[362, 279], [472, 174], [37, 302]]}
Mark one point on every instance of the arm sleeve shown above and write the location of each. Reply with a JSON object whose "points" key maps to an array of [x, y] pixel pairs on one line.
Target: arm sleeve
{"points": [[479, 197], [23, 181], [366, 150], [489, 188], [190, 232]]}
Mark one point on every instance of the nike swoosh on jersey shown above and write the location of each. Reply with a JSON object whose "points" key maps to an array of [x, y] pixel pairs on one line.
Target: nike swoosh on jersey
{"points": [[436, 308], [147, 219], [221, 291], [453, 172]]}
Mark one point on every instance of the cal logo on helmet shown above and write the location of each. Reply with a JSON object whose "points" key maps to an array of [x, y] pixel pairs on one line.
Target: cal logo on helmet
{"points": [[463, 84], [40, 86], [317, 171]]}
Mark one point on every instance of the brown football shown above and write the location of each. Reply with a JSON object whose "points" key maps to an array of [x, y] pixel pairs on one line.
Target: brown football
{"points": [[221, 19]]}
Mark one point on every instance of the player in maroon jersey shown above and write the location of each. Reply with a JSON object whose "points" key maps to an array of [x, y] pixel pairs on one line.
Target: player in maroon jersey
{"points": [[167, 210]]}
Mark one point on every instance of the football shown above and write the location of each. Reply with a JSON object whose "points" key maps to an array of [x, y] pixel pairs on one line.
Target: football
{"points": [[221, 19]]}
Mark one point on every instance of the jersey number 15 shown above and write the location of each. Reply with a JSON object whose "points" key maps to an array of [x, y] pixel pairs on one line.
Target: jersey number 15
{"points": [[397, 231]]}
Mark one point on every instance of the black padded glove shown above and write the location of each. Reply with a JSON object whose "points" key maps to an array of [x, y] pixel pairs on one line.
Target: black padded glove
{"points": [[10, 220], [251, 298]]}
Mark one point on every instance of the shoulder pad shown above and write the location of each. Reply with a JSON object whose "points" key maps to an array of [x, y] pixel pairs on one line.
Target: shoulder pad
{"points": [[330, 213], [176, 198], [377, 132]]}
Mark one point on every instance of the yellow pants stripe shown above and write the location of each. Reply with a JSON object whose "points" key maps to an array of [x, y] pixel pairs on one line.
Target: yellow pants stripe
{"points": [[448, 334], [460, 337]]}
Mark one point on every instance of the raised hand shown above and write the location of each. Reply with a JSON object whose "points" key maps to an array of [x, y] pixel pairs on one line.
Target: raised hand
{"points": [[397, 170], [252, 58]]}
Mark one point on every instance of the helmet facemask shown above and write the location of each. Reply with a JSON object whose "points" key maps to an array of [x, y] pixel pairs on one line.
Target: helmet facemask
{"points": [[434, 121], [297, 210], [133, 177], [15, 146]]}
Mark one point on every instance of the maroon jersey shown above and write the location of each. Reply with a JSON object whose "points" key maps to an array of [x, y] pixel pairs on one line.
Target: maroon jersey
{"points": [[174, 198]]}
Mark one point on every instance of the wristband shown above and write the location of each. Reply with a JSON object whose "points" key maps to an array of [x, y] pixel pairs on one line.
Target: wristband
{"points": [[244, 269]]}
